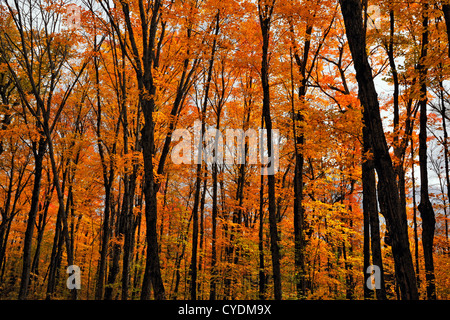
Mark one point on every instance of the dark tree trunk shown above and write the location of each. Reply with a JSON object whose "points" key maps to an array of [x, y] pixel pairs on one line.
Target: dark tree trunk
{"points": [[202, 231], [370, 209], [193, 266], [107, 184], [152, 274], [388, 194], [299, 138], [8, 212], [54, 259], [425, 207], [116, 249], [213, 282], [299, 222], [265, 16], [366, 242], [39, 152], [262, 272], [416, 238], [40, 232]]}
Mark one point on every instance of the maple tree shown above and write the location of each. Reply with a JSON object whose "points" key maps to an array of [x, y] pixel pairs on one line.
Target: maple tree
{"points": [[94, 95]]}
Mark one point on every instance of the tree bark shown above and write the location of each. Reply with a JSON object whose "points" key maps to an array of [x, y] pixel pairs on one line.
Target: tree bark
{"points": [[213, 281], [299, 138], [262, 272], [370, 209], [425, 207], [265, 16], [416, 238], [388, 190], [193, 266], [39, 152], [108, 177]]}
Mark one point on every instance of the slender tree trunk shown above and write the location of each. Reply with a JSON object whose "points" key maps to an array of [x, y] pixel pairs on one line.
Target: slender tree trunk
{"points": [[116, 249], [265, 15], [107, 184], [416, 238], [54, 258], [425, 207], [61, 208], [213, 281], [370, 209], [193, 266], [9, 212], [27, 242], [129, 230], [446, 153], [262, 272], [40, 233], [202, 231], [299, 137], [399, 148], [366, 244]]}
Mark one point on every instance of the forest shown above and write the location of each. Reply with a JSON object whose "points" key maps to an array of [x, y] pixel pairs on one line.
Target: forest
{"points": [[224, 150]]}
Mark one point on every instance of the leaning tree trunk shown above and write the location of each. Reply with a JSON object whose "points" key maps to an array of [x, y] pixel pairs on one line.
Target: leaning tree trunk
{"points": [[388, 190]]}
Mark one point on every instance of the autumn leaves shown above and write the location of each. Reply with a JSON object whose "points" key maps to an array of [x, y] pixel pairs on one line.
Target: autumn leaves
{"points": [[215, 150]]}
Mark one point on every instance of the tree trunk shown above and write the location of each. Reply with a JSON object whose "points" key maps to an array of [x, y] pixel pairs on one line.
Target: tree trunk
{"points": [[27, 242], [416, 238], [265, 15], [193, 266], [202, 231], [388, 190], [262, 272], [40, 233], [213, 281], [370, 209], [446, 160], [425, 207], [299, 138], [366, 241], [152, 274], [107, 184]]}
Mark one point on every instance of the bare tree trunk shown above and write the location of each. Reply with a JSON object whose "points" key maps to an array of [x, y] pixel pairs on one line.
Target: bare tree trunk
{"points": [[265, 16], [262, 272], [370, 209], [388, 195], [213, 281], [107, 184], [27, 242], [416, 238], [299, 138], [193, 266], [425, 207]]}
